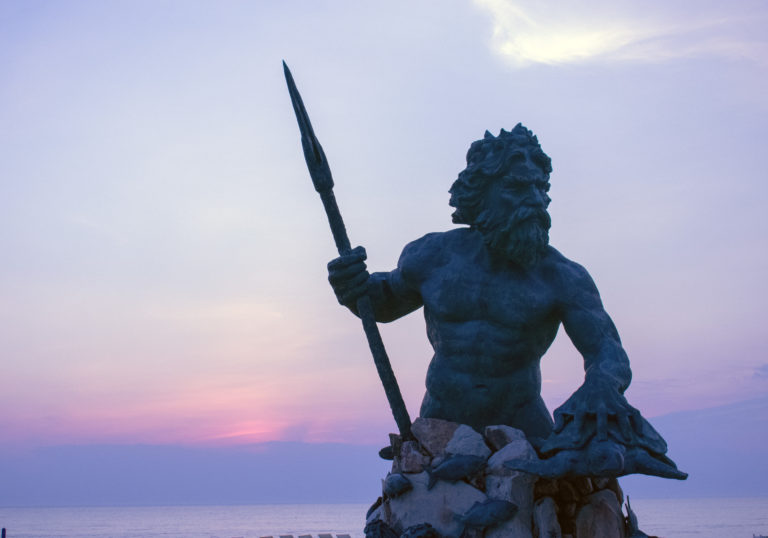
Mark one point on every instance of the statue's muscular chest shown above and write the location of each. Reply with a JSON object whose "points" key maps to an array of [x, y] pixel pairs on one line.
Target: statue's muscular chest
{"points": [[470, 289]]}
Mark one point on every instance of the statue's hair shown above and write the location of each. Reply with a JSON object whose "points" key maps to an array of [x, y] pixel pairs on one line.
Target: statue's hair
{"points": [[487, 160]]}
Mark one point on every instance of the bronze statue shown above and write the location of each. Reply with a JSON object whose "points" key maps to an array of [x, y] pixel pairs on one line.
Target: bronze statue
{"points": [[494, 295]]}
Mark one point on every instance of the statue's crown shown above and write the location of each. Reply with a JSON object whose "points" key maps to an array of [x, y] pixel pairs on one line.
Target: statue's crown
{"points": [[490, 152], [518, 131]]}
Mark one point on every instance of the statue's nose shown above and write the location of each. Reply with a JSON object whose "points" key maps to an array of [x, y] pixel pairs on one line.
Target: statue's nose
{"points": [[538, 197]]}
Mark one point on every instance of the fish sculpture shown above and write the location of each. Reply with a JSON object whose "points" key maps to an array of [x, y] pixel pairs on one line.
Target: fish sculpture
{"points": [[422, 530], [395, 485], [455, 468], [379, 529], [488, 513], [600, 458]]}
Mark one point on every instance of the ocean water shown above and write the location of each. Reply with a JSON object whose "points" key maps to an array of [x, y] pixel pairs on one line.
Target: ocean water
{"points": [[668, 518], [184, 521]]}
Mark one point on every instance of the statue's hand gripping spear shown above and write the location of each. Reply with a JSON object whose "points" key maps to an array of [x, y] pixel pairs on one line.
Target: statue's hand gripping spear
{"points": [[323, 181]]}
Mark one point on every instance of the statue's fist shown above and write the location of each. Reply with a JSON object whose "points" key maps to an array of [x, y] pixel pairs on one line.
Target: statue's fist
{"points": [[349, 277]]}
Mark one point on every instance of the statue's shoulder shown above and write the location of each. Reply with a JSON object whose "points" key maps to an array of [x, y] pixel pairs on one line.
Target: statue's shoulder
{"points": [[554, 259], [438, 244], [434, 250], [570, 277], [564, 270]]}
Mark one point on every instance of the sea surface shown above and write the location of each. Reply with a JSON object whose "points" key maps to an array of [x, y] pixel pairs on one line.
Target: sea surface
{"points": [[668, 518]]}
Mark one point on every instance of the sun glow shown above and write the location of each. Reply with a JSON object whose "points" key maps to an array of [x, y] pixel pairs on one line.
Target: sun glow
{"points": [[528, 33]]}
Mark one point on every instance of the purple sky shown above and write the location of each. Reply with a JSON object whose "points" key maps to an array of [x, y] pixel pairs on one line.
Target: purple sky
{"points": [[163, 274]]}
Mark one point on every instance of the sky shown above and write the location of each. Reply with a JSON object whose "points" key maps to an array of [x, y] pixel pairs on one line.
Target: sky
{"points": [[163, 273]]}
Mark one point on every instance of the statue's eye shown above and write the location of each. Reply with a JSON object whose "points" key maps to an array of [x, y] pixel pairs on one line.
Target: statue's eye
{"points": [[517, 189]]}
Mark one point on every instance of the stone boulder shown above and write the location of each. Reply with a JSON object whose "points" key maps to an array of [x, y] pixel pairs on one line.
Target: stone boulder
{"points": [[500, 436], [601, 517], [466, 470], [433, 433], [545, 523], [438, 506], [467, 441]]}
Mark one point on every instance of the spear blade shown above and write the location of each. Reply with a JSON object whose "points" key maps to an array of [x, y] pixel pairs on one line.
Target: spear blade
{"points": [[313, 151]]}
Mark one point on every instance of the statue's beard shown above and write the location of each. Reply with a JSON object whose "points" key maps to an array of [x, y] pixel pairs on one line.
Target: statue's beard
{"points": [[520, 237]]}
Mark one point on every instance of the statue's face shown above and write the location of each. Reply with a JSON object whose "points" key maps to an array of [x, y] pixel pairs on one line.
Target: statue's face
{"points": [[524, 185], [514, 221]]}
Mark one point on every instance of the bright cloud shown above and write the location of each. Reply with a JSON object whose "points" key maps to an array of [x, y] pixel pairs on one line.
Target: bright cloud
{"points": [[526, 32]]}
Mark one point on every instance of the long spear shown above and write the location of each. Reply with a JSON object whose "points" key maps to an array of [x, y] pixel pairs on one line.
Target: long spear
{"points": [[323, 181]]}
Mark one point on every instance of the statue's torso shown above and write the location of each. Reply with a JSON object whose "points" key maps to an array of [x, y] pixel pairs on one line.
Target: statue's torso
{"points": [[489, 324]]}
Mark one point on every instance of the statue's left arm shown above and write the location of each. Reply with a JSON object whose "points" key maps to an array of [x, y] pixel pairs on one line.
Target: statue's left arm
{"points": [[599, 404], [597, 433]]}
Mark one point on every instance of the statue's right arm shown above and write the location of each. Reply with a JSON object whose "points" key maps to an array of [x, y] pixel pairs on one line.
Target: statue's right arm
{"points": [[393, 294]]}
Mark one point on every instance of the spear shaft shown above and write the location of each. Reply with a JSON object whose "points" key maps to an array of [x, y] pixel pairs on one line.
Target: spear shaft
{"points": [[323, 181]]}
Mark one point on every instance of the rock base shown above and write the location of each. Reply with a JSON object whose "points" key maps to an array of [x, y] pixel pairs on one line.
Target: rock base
{"points": [[451, 482]]}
